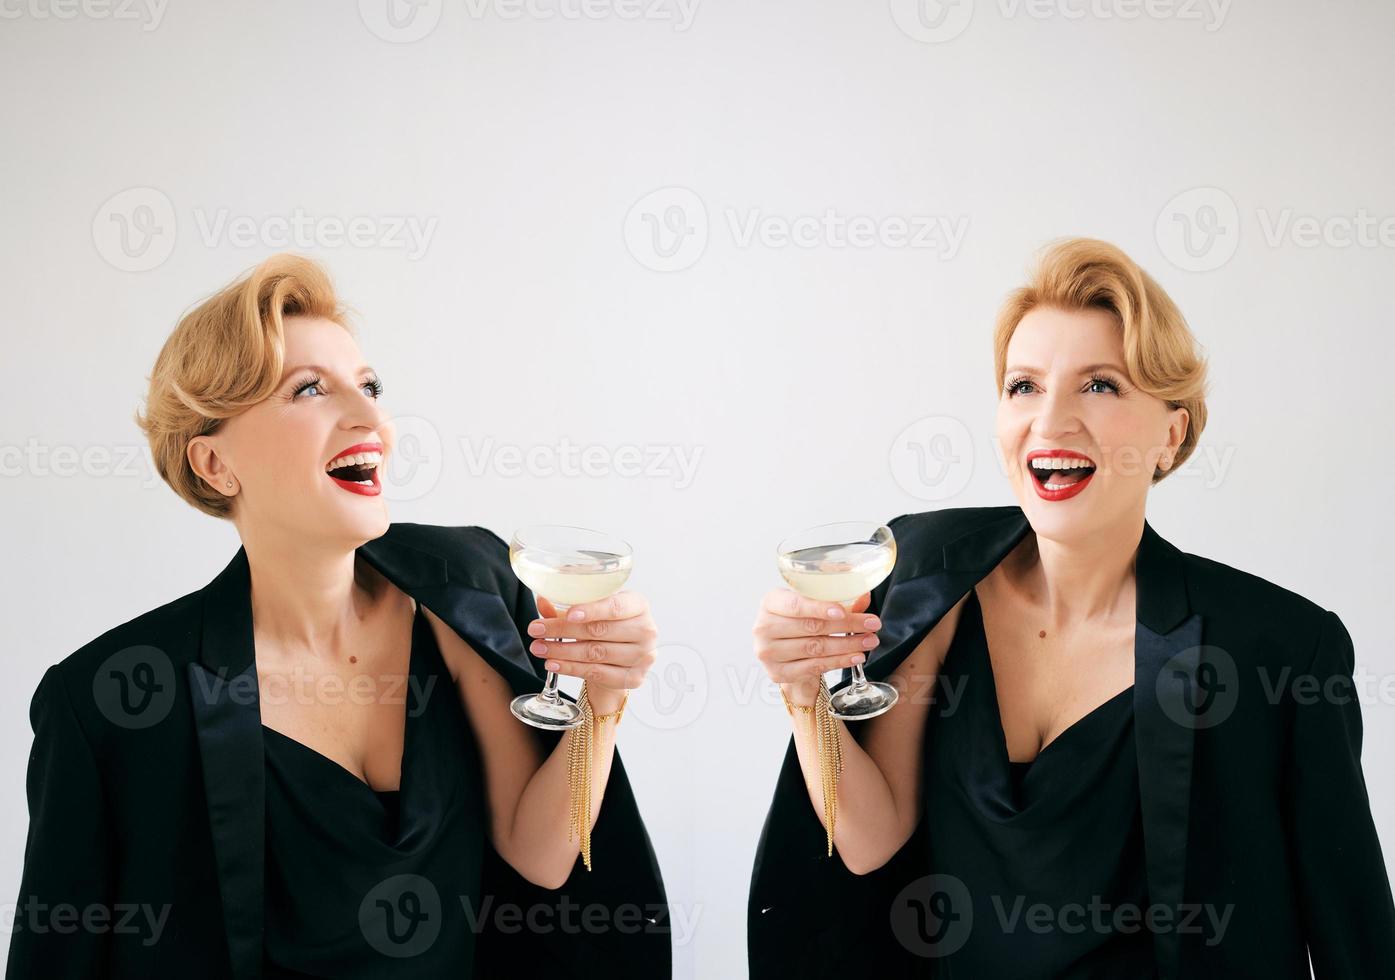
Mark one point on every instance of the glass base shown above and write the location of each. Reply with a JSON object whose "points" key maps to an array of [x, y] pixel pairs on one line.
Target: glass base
{"points": [[540, 712], [857, 702]]}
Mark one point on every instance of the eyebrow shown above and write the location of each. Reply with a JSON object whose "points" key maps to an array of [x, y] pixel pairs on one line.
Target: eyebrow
{"points": [[365, 369], [1088, 369]]}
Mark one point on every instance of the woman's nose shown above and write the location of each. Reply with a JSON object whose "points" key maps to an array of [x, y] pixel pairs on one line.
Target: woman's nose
{"points": [[1055, 417], [363, 412]]}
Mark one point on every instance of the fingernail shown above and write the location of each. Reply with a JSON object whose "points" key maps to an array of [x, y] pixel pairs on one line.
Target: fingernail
{"points": [[577, 615], [868, 642], [553, 665], [835, 612], [538, 647], [858, 658], [536, 629], [872, 623]]}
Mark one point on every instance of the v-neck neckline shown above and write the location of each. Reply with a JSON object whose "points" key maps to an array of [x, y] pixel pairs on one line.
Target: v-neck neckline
{"points": [[408, 712], [1026, 765], [320, 756]]}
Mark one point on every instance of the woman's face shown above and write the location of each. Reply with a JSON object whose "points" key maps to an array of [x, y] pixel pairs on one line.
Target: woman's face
{"points": [[1066, 389], [277, 451]]}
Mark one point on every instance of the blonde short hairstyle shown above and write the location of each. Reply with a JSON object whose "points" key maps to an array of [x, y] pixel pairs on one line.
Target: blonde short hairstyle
{"points": [[224, 356], [1162, 356]]}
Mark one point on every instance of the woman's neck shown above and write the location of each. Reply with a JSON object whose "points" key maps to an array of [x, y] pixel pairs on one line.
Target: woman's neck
{"points": [[1076, 581], [309, 601]]}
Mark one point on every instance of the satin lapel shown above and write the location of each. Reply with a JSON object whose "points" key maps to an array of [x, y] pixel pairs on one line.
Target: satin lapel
{"points": [[1167, 639], [227, 709], [923, 587], [1167, 648], [227, 715], [466, 597]]}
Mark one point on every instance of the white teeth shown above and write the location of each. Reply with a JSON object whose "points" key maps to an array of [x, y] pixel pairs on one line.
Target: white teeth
{"points": [[355, 459], [1058, 463]]}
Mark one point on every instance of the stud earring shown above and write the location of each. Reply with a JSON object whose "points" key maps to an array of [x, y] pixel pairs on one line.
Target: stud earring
{"points": [[230, 484]]}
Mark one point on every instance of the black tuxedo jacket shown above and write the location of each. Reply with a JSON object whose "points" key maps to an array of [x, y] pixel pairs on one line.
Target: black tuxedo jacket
{"points": [[145, 847], [1251, 786]]}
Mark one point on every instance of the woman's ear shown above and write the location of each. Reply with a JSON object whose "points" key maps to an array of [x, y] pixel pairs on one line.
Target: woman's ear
{"points": [[1176, 433], [208, 465]]}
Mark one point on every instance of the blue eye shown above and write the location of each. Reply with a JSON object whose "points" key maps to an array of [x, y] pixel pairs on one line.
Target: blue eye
{"points": [[1015, 386], [374, 386], [305, 385]]}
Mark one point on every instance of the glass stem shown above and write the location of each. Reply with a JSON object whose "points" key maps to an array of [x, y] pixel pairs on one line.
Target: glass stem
{"points": [[859, 679], [549, 691]]}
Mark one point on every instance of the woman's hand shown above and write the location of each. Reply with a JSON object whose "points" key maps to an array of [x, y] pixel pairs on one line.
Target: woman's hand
{"points": [[616, 643], [794, 641]]}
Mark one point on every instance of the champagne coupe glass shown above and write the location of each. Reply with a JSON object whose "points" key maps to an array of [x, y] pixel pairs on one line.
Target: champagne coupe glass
{"points": [[837, 563], [565, 565]]}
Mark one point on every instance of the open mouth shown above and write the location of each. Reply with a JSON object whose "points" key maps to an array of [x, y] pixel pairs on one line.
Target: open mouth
{"points": [[357, 472], [1059, 472]]}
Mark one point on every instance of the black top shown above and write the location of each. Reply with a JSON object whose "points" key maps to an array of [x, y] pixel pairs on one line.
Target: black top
{"points": [[377, 883], [1256, 815], [1037, 866], [147, 780]]}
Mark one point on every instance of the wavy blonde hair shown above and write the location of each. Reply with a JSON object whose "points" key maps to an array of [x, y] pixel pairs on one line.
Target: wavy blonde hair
{"points": [[223, 357], [1162, 356]]}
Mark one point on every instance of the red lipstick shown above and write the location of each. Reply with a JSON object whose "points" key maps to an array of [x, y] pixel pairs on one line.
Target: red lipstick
{"points": [[375, 486], [1063, 493], [358, 447]]}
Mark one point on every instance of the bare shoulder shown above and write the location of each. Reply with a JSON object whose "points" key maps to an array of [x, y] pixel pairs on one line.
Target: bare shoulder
{"points": [[510, 751], [467, 668], [895, 740], [914, 678]]}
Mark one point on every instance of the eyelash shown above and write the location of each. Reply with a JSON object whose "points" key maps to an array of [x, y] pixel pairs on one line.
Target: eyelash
{"points": [[373, 384], [1011, 388]]}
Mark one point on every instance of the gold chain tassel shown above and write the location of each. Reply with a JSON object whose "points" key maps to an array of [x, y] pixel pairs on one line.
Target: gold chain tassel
{"points": [[829, 744], [581, 754], [580, 750], [830, 751]]}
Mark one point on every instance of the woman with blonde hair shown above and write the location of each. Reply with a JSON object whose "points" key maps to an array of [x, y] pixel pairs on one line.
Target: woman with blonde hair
{"points": [[1103, 761], [308, 767]]}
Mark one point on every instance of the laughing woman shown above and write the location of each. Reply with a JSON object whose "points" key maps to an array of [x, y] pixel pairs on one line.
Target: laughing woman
{"points": [[1123, 771], [308, 767]]}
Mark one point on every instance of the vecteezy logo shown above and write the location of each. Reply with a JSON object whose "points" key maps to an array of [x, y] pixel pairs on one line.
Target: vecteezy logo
{"points": [[933, 458], [1209, 682], [1199, 230], [666, 230], [134, 687], [401, 915], [1203, 696], [416, 461], [135, 230], [674, 692], [932, 21], [933, 915], [400, 21]]}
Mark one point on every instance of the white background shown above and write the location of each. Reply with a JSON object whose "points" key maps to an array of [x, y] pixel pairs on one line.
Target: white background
{"points": [[605, 195]]}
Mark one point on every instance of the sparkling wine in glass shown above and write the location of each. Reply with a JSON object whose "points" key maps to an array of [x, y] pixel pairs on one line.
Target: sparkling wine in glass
{"points": [[837, 563], [565, 565]]}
